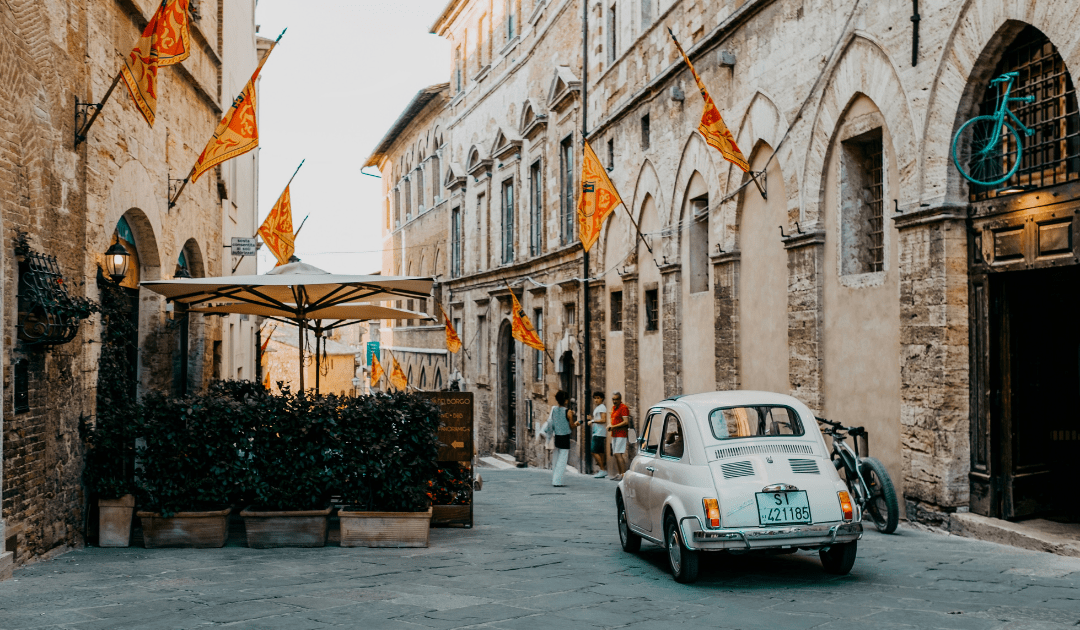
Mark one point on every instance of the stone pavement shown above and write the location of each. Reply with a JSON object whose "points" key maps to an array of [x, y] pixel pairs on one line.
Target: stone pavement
{"points": [[543, 557]]}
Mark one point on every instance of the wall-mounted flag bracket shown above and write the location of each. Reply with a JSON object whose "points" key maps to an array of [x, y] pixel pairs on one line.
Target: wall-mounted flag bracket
{"points": [[176, 186], [761, 182], [84, 118]]}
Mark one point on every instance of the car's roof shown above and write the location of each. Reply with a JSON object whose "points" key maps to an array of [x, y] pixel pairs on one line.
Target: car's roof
{"points": [[705, 402]]}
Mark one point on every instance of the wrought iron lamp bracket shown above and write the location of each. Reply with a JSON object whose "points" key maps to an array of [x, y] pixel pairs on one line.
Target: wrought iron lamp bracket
{"points": [[83, 113]]}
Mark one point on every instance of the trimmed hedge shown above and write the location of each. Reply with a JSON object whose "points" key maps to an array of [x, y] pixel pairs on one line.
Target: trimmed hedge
{"points": [[237, 444]]}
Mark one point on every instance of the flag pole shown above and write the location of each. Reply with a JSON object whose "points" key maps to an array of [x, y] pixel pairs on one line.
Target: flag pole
{"points": [[297, 233], [80, 134], [586, 461], [183, 185]]}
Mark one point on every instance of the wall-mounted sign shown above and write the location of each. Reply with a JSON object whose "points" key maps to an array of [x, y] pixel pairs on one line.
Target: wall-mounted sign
{"points": [[373, 351], [242, 246]]}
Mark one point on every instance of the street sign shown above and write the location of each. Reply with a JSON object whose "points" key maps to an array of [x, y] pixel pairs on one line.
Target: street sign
{"points": [[456, 433], [373, 351], [242, 246]]}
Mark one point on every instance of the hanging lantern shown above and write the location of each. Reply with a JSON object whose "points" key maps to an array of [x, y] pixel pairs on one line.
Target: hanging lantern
{"points": [[116, 262]]}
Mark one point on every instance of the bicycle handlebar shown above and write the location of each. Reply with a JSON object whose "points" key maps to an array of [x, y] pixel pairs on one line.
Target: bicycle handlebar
{"points": [[836, 426]]}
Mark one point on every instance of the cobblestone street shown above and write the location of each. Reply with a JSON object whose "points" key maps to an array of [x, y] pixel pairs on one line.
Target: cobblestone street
{"points": [[541, 557]]}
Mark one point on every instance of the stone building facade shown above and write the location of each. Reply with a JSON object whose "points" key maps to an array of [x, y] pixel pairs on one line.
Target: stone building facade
{"points": [[871, 280], [74, 201]]}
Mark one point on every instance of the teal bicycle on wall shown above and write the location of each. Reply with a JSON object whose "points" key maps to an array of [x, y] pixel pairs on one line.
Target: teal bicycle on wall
{"points": [[987, 149]]}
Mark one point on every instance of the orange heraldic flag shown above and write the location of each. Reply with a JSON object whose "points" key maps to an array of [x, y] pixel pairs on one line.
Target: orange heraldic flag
{"points": [[238, 131], [376, 370], [522, 329], [453, 342], [397, 377], [712, 126], [165, 40], [598, 198], [277, 230]]}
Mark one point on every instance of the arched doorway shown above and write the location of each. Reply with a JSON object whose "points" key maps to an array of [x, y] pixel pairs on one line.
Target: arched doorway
{"points": [[1023, 272], [506, 438]]}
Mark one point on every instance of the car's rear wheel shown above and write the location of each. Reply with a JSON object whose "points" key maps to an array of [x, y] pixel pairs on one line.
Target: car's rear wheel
{"points": [[631, 542], [881, 503], [838, 559], [683, 562]]}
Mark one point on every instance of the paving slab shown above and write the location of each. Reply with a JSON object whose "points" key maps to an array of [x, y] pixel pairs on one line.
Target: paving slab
{"points": [[540, 558]]}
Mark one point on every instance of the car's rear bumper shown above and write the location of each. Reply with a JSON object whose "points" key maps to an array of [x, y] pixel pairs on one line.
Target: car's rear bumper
{"points": [[747, 538]]}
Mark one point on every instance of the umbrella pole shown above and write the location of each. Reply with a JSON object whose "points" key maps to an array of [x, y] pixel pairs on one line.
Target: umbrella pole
{"points": [[317, 360], [301, 344]]}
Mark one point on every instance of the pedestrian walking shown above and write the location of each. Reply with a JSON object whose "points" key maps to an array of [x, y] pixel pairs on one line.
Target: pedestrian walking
{"points": [[598, 443], [619, 427], [561, 425]]}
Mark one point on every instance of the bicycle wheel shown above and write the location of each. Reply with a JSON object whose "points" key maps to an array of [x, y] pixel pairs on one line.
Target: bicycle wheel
{"points": [[881, 504], [987, 152]]}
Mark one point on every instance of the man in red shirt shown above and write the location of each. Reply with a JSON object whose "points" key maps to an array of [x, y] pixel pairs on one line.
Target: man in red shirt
{"points": [[619, 428]]}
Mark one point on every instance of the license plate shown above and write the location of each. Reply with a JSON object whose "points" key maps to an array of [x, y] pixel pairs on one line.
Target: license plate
{"points": [[783, 508]]}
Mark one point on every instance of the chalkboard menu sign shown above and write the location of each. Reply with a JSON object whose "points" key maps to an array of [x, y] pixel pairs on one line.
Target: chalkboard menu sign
{"points": [[455, 457]]}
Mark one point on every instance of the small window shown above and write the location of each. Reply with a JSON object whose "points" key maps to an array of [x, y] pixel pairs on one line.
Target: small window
{"points": [[455, 243], [457, 69], [699, 244], [764, 420], [862, 236], [672, 444], [645, 132], [508, 221], [652, 309], [612, 27], [646, 14], [511, 26], [536, 209], [567, 209], [611, 154], [538, 355], [651, 434], [481, 333], [569, 315], [615, 314]]}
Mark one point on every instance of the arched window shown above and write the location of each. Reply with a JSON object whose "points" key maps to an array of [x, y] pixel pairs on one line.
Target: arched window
{"points": [[1052, 155]]}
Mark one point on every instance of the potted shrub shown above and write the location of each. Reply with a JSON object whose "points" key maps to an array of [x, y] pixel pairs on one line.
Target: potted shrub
{"points": [[451, 494], [108, 475], [288, 473], [387, 461], [190, 465], [110, 439]]}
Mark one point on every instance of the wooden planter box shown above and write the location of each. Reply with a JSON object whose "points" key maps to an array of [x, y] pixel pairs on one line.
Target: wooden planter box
{"points": [[114, 521], [199, 530], [286, 529], [384, 529], [451, 515]]}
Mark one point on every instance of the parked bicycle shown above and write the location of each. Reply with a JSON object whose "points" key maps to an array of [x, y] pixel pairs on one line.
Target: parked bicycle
{"points": [[983, 147], [866, 477]]}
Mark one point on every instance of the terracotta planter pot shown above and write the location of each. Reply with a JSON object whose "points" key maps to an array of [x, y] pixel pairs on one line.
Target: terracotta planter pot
{"points": [[199, 530], [385, 529], [450, 514], [285, 529], [114, 521]]}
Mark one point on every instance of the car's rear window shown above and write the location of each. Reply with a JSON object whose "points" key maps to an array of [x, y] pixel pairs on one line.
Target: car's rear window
{"points": [[729, 423]]}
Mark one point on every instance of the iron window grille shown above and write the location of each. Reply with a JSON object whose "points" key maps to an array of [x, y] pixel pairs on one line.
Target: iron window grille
{"points": [[616, 310], [652, 309], [875, 204], [1052, 155], [538, 355], [47, 314]]}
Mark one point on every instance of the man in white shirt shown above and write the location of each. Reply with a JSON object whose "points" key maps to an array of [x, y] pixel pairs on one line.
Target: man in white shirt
{"points": [[599, 434]]}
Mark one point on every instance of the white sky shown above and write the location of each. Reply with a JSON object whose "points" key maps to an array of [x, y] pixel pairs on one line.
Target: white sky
{"points": [[343, 73]]}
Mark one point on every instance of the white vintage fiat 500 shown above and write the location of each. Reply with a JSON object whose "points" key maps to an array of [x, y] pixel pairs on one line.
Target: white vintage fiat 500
{"points": [[735, 471]]}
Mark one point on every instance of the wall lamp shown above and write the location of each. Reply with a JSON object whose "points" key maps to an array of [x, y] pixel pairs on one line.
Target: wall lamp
{"points": [[117, 259]]}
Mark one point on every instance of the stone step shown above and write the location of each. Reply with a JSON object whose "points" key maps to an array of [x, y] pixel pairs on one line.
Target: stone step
{"points": [[1062, 539]]}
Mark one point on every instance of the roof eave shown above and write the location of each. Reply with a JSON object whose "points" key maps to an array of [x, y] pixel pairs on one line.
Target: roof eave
{"points": [[415, 106]]}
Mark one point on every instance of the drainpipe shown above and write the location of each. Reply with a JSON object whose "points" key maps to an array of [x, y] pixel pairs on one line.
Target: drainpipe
{"points": [[915, 18]]}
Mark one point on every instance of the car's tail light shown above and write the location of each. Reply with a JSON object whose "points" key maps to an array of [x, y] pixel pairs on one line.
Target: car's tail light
{"points": [[845, 505], [712, 512]]}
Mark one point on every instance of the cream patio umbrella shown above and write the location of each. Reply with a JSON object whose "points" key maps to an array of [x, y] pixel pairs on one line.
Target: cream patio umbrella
{"points": [[300, 293]]}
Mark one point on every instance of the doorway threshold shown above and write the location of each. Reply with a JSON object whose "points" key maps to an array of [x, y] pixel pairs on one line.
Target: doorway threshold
{"points": [[1037, 534]]}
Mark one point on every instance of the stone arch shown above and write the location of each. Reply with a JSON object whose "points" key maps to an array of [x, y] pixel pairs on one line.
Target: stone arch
{"points": [[135, 197], [195, 259], [648, 185], [763, 121], [978, 37], [863, 68], [697, 158]]}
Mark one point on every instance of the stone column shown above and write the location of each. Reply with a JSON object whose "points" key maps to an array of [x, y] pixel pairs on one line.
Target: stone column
{"points": [[597, 338], [630, 346], [934, 390], [671, 327], [806, 261], [726, 310]]}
